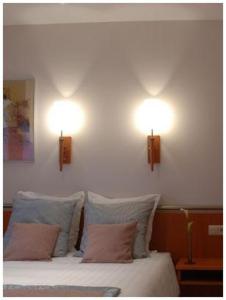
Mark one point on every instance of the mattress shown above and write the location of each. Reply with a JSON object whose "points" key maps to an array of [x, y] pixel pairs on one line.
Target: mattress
{"points": [[147, 277]]}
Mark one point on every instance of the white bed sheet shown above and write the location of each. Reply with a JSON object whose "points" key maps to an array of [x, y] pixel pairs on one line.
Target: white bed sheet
{"points": [[147, 277]]}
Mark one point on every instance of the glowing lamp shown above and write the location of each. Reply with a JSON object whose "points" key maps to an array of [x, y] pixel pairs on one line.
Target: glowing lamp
{"points": [[65, 117], [153, 115]]}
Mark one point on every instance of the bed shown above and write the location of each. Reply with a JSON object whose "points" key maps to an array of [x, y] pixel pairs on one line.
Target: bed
{"points": [[148, 277], [113, 245]]}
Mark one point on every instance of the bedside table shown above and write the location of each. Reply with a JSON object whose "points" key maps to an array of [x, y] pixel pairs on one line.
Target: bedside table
{"points": [[202, 278]]}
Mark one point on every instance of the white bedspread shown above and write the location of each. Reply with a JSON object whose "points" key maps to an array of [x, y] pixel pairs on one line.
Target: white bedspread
{"points": [[153, 276]]}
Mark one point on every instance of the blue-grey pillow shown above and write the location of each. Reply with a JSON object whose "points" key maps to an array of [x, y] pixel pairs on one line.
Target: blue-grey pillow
{"points": [[118, 212], [78, 198], [46, 212]]}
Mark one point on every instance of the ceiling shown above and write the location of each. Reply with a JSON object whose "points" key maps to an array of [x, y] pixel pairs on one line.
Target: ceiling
{"points": [[61, 13]]}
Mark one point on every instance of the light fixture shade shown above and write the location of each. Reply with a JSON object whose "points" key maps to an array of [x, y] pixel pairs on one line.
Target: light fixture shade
{"points": [[154, 114], [65, 116]]}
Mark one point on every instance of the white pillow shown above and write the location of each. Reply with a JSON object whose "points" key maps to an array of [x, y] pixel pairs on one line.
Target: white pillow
{"points": [[78, 197], [95, 198]]}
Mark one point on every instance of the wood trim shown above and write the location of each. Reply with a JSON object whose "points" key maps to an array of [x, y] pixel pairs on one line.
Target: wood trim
{"points": [[165, 208], [191, 209]]}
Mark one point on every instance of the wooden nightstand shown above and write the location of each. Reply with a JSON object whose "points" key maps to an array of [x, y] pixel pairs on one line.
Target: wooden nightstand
{"points": [[202, 278]]}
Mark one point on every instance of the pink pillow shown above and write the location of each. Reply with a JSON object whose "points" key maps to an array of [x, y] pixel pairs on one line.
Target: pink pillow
{"points": [[110, 243], [31, 241]]}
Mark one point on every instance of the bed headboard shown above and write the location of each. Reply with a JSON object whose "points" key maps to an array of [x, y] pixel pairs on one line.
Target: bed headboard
{"points": [[169, 232]]}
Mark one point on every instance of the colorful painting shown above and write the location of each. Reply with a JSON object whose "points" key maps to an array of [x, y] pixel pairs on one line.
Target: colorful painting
{"points": [[18, 120]]}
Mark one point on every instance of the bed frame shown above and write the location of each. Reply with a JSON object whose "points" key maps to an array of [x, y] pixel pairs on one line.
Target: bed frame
{"points": [[169, 231]]}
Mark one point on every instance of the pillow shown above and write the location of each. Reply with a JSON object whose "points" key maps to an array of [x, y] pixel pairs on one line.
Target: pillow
{"points": [[150, 197], [78, 198], [31, 242], [46, 212], [110, 243], [101, 210]]}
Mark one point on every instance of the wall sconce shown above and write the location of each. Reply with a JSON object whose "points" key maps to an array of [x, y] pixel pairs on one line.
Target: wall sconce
{"points": [[65, 117], [153, 114], [153, 142], [64, 150]]}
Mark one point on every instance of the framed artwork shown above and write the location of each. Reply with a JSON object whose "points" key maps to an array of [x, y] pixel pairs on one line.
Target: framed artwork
{"points": [[18, 120]]}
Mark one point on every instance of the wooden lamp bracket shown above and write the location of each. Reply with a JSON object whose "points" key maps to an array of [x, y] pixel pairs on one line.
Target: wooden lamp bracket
{"points": [[65, 150], [153, 150]]}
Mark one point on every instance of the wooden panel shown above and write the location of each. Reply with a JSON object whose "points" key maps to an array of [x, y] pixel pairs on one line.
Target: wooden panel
{"points": [[67, 149], [64, 150], [6, 216], [169, 233], [155, 142]]}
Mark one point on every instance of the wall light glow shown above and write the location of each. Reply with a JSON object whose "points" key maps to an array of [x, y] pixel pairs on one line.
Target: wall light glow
{"points": [[153, 114], [65, 116]]}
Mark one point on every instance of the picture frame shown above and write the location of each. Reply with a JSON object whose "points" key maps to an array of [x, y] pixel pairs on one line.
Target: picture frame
{"points": [[18, 120]]}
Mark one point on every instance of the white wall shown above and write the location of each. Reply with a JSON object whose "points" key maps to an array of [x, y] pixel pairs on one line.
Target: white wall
{"points": [[109, 68]]}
